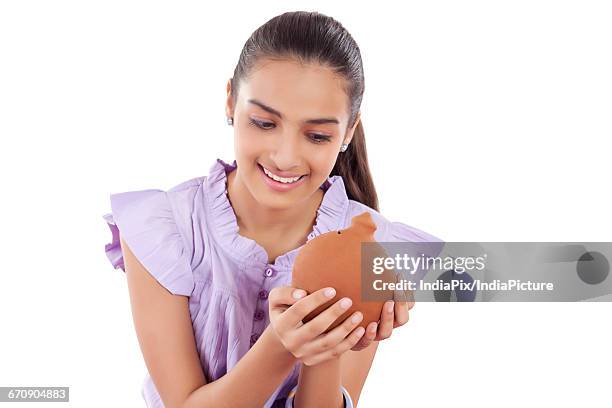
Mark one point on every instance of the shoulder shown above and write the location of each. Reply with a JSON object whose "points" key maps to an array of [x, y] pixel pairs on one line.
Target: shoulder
{"points": [[389, 230], [186, 200], [157, 225], [173, 208], [192, 184]]}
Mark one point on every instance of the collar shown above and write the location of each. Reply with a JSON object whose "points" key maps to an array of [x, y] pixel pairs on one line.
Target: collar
{"points": [[330, 216]]}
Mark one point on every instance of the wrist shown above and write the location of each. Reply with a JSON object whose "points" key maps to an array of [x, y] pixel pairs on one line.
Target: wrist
{"points": [[331, 365], [276, 346], [319, 384]]}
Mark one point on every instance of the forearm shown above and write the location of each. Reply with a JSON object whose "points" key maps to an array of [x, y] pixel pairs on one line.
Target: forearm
{"points": [[251, 382], [320, 385]]}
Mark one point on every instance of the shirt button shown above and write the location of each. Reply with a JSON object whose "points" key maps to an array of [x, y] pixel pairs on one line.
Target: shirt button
{"points": [[254, 338], [311, 235], [263, 294], [269, 272], [259, 315]]}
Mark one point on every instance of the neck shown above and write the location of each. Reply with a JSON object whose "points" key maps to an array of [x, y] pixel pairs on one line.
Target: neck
{"points": [[255, 219]]}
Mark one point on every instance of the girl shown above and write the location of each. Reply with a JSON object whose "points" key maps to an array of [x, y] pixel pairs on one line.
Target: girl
{"points": [[208, 262]]}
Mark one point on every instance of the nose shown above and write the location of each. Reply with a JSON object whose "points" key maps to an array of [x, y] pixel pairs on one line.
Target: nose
{"points": [[286, 155]]}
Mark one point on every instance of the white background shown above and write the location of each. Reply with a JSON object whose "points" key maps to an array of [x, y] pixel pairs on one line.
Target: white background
{"points": [[485, 121]]}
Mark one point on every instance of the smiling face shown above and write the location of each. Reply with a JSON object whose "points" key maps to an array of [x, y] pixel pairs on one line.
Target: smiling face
{"points": [[289, 120]]}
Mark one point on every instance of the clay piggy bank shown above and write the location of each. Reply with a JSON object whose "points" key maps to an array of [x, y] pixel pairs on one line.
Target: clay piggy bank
{"points": [[334, 260]]}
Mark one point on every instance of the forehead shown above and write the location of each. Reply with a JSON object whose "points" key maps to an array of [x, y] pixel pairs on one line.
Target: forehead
{"points": [[296, 90]]}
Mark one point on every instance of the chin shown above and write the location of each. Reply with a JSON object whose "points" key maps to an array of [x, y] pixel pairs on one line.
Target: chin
{"points": [[277, 200], [281, 200]]}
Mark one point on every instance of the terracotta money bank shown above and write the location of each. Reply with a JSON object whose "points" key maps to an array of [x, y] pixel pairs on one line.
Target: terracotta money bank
{"points": [[334, 259]]}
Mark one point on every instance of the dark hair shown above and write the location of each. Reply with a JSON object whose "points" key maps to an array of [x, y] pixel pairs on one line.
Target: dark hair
{"points": [[315, 37]]}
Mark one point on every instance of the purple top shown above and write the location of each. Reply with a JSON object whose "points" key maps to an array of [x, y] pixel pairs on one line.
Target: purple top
{"points": [[187, 238]]}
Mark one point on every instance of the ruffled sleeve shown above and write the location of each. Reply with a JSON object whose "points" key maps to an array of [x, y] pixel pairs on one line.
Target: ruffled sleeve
{"points": [[147, 224]]}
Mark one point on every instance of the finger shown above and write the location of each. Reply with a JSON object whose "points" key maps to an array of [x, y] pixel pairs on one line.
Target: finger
{"points": [[401, 314], [338, 350], [386, 321], [409, 297], [285, 295], [363, 343], [399, 296], [279, 300], [282, 297], [335, 336], [371, 331], [404, 296], [368, 338], [324, 319], [300, 309], [401, 307]]}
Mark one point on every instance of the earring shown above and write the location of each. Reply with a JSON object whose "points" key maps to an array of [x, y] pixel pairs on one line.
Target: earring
{"points": [[343, 147], [230, 121]]}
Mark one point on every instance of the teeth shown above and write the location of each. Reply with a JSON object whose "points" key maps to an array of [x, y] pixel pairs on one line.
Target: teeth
{"points": [[281, 179]]}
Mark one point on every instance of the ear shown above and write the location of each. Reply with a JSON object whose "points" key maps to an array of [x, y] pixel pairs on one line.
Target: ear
{"points": [[351, 131], [229, 104]]}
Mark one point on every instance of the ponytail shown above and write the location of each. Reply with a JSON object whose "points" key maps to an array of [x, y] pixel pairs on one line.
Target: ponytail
{"points": [[352, 166]]}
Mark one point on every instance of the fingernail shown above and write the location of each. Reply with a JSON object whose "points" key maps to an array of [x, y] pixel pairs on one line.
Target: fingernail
{"points": [[330, 292], [346, 303], [356, 317], [390, 307], [298, 294], [360, 330], [373, 328]]}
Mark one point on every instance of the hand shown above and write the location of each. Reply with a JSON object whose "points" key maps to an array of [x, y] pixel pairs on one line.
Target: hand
{"points": [[394, 314], [306, 341]]}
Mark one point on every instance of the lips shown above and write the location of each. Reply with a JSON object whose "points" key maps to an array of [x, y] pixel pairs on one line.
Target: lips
{"points": [[277, 185], [287, 177]]}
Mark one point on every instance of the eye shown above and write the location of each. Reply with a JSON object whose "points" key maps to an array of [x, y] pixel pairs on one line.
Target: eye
{"points": [[315, 137], [260, 124]]}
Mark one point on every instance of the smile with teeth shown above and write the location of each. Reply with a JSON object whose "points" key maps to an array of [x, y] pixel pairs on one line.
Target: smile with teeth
{"points": [[286, 180]]}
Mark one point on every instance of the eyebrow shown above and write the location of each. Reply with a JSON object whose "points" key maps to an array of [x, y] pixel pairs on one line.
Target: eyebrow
{"points": [[317, 121]]}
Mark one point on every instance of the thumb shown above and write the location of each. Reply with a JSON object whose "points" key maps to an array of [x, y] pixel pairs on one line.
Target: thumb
{"points": [[285, 296], [297, 294]]}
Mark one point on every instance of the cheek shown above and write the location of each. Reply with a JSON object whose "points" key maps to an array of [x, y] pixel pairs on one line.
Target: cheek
{"points": [[324, 160], [321, 165], [247, 143]]}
